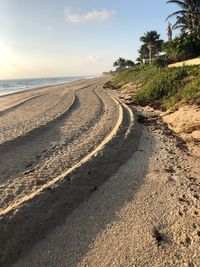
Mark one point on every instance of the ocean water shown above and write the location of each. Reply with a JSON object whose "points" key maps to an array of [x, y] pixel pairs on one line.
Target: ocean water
{"points": [[11, 86]]}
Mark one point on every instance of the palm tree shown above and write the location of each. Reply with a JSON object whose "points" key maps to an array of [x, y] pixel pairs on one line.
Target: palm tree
{"points": [[188, 18], [152, 42], [120, 63], [143, 54], [130, 63]]}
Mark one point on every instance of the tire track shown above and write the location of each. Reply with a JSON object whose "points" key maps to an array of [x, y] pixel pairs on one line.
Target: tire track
{"points": [[37, 216], [33, 113], [52, 157], [86, 158], [73, 168], [7, 110], [14, 148]]}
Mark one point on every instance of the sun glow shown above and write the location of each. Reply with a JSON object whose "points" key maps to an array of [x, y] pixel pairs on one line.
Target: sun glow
{"points": [[5, 55]]}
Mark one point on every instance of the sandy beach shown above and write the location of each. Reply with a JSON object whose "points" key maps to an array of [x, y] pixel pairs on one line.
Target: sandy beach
{"points": [[146, 214], [134, 202], [100, 133], [44, 134], [49, 131]]}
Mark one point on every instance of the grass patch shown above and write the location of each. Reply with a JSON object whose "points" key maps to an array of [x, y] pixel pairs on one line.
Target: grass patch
{"points": [[135, 76], [162, 88], [191, 91], [170, 86]]}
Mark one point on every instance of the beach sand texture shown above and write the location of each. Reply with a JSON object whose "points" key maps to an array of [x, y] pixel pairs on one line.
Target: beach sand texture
{"points": [[146, 214], [48, 132], [135, 203], [190, 62]]}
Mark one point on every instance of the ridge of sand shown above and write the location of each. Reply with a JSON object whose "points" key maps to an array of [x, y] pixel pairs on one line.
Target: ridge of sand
{"points": [[146, 214]]}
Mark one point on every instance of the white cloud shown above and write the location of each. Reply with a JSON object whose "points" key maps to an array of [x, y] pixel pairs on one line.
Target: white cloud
{"points": [[92, 16], [91, 60]]}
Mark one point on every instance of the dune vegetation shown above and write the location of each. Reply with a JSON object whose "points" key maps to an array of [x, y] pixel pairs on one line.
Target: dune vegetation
{"points": [[162, 88], [149, 78]]}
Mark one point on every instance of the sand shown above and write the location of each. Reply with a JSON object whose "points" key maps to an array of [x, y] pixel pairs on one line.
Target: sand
{"points": [[190, 62], [21, 112], [146, 214], [43, 137], [135, 203], [185, 121]]}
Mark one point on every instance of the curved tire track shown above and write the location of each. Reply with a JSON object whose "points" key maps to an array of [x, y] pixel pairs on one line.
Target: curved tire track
{"points": [[15, 181], [27, 222], [3, 112], [50, 106]]}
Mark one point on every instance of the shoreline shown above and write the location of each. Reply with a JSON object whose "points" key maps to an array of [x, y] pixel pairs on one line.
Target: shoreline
{"points": [[30, 89], [26, 94], [45, 86]]}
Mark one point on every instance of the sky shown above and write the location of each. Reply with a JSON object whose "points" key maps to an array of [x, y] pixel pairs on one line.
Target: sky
{"points": [[55, 38]]}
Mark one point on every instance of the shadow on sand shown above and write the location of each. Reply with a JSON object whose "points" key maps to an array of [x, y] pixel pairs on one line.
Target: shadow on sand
{"points": [[64, 207]]}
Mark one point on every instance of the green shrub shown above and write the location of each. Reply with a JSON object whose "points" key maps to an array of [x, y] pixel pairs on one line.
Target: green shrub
{"points": [[161, 61], [168, 86], [191, 91], [163, 87], [138, 75]]}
